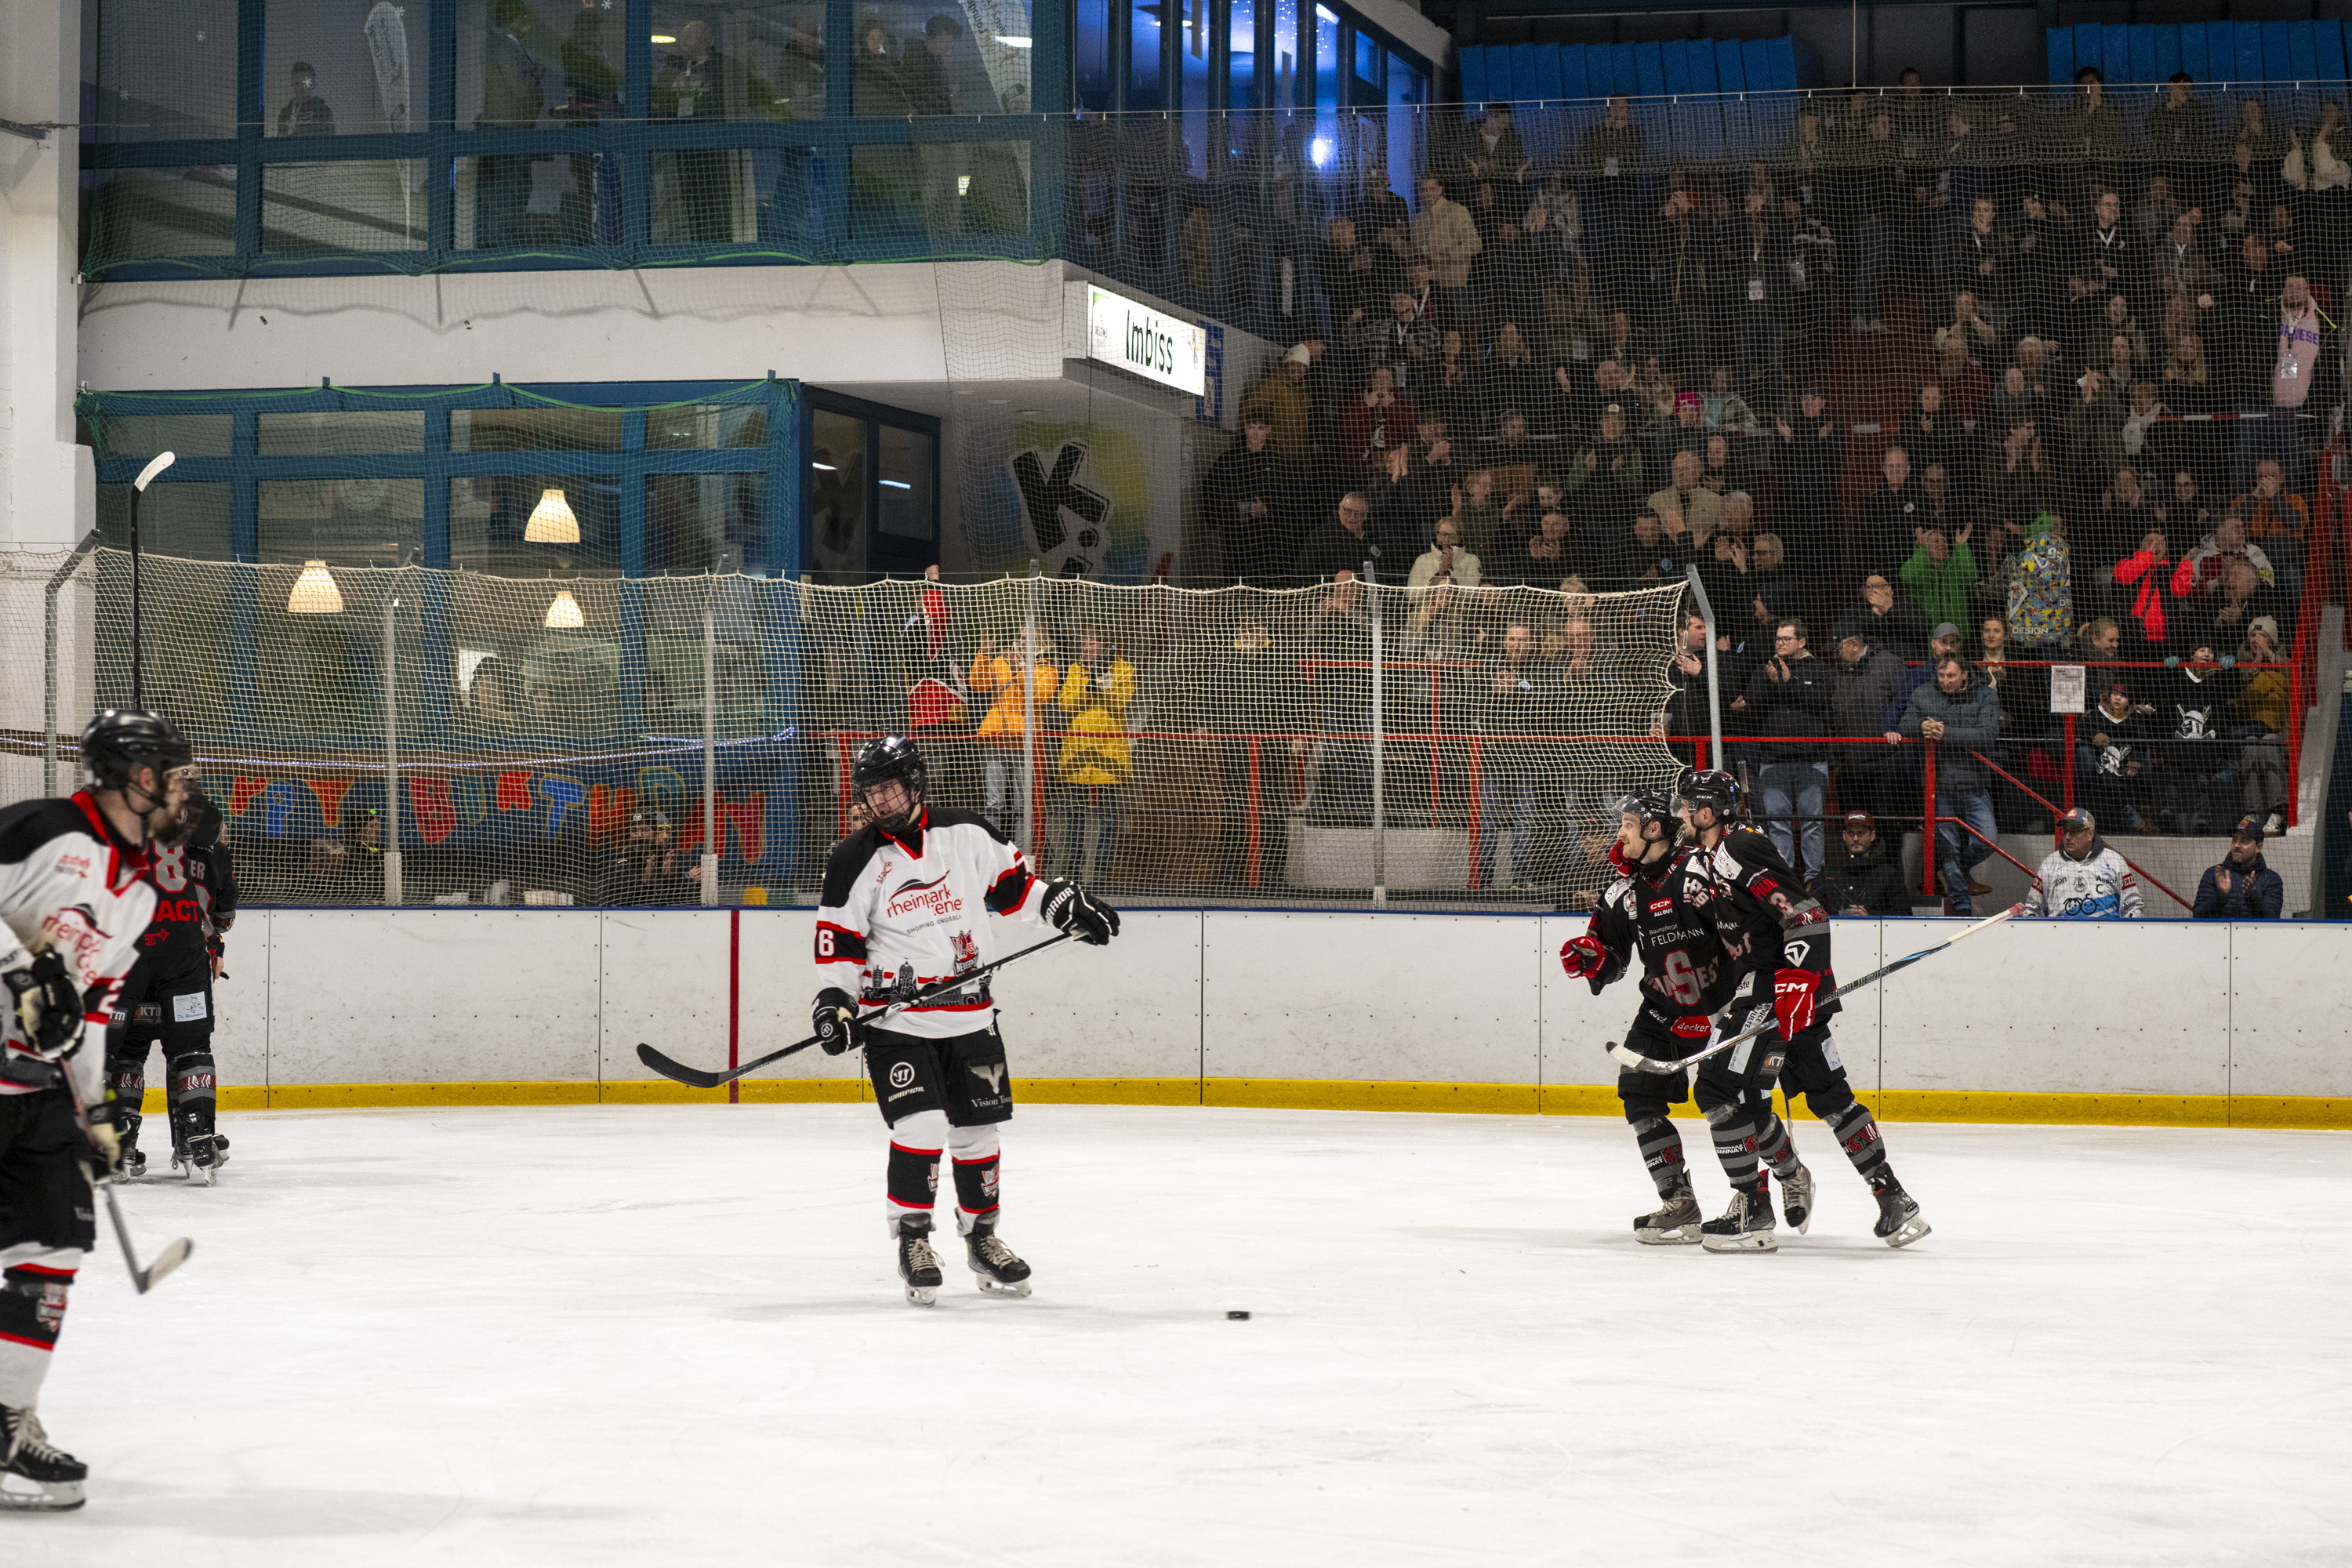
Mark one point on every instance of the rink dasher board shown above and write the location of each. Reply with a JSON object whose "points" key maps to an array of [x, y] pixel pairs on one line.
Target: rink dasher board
{"points": [[2147, 1023]]}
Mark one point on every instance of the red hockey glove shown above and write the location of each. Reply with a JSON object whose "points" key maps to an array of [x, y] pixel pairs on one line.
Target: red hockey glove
{"points": [[1793, 1000], [1618, 861], [1583, 957]]}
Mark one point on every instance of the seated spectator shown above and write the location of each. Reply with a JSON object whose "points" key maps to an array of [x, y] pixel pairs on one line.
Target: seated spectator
{"points": [[1726, 470], [2145, 579], [1512, 382], [1550, 556], [2242, 886], [1929, 434], [646, 870], [1398, 339], [1485, 533], [2145, 412], [2116, 526], [1648, 557], [1379, 418], [2224, 613], [1653, 394], [1939, 507], [2111, 759], [1863, 878], [2276, 519], [1864, 685], [2204, 564], [2189, 712], [1940, 573], [2258, 713], [1884, 620], [2190, 383], [1959, 713], [1689, 510], [1722, 407], [1684, 431], [2083, 878], [1606, 477], [1968, 326], [2180, 511], [1445, 560], [1966, 386], [1341, 542], [1773, 589], [1450, 389]]}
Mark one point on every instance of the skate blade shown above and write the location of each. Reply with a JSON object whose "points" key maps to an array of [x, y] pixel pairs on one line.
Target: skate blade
{"points": [[54, 1496], [922, 1295], [1801, 1224], [1680, 1236], [1000, 1287], [1753, 1241], [1910, 1231]]}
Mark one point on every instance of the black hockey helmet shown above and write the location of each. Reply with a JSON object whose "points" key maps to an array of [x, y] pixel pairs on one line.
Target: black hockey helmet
{"points": [[1715, 789], [892, 758], [120, 740], [1653, 805]]}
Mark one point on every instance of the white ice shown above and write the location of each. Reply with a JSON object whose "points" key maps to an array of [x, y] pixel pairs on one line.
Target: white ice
{"points": [[672, 1335]]}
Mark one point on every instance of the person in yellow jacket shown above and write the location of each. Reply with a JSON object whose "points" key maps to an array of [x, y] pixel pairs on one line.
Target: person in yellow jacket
{"points": [[1097, 756], [1000, 732]]}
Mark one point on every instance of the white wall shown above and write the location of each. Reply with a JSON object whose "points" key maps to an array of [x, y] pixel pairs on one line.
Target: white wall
{"points": [[436, 996]]}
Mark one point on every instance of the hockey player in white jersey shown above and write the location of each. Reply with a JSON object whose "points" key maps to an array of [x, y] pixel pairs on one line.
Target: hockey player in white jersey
{"points": [[905, 905], [2082, 879], [76, 894]]}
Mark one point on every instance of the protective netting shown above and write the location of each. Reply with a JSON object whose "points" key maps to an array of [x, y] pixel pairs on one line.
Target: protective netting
{"points": [[567, 738]]}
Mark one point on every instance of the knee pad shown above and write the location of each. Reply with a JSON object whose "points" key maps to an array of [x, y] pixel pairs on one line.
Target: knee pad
{"points": [[926, 1130], [1644, 1111], [1713, 1096], [1832, 1099], [974, 1143]]}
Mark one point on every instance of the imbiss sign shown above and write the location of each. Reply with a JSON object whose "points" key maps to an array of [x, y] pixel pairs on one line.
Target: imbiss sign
{"points": [[1142, 341]]}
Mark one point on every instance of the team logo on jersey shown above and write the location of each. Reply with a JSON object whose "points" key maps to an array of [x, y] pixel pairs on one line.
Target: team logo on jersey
{"points": [[1695, 1026], [1662, 906], [78, 865], [967, 953], [992, 1075], [934, 895], [901, 1074]]}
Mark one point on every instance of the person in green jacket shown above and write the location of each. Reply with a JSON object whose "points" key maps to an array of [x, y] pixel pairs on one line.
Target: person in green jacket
{"points": [[1940, 573]]}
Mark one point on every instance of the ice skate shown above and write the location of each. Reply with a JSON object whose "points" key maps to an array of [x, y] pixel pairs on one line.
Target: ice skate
{"points": [[1745, 1226], [998, 1271], [135, 1163], [1675, 1224], [35, 1476], [1899, 1223], [918, 1265], [202, 1158], [1797, 1199]]}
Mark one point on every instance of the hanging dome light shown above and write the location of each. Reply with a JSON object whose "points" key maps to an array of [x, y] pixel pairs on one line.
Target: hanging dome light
{"points": [[551, 521], [563, 613], [315, 592]]}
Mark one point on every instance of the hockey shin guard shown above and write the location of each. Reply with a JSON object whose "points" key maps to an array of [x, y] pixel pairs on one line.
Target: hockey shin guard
{"points": [[1733, 1126], [32, 1310], [1662, 1152], [1858, 1134], [127, 1076], [1774, 1146], [975, 1151], [192, 1097], [915, 1144]]}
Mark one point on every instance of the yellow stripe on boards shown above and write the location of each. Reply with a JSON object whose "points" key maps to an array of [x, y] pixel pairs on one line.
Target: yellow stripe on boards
{"points": [[1322, 1094]]}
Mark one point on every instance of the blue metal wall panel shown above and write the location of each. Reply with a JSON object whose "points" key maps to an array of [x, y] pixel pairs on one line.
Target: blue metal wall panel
{"points": [[2142, 43], [2327, 40], [2278, 52], [1549, 84], [2060, 43], [2193, 51], [1501, 84], [1730, 74], [1472, 62], [1527, 82], [1755, 60], [1649, 69], [2250, 51], [1782, 54], [1700, 57], [2168, 51], [1624, 75], [2303, 50], [1674, 64], [2086, 45], [1573, 81]]}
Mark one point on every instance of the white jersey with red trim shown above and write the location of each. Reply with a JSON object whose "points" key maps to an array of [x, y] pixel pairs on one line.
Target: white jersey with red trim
{"points": [[69, 883], [903, 911]]}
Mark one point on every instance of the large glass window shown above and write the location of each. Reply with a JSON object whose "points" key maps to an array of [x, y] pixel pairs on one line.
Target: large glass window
{"points": [[534, 430], [374, 205], [491, 524], [537, 64], [365, 521], [836, 491], [701, 522], [1241, 55], [1097, 75], [1285, 53], [1145, 89], [341, 67], [166, 69], [1326, 57], [333, 432], [921, 56], [185, 518], [903, 484], [1196, 47]]}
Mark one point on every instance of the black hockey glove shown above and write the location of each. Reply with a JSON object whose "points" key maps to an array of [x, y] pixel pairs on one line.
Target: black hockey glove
{"points": [[1072, 908], [834, 1019], [106, 1120], [46, 1002]]}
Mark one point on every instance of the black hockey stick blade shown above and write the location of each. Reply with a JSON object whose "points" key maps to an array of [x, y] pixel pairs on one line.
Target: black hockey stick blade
{"points": [[1640, 1063], [170, 1259], [696, 1079]]}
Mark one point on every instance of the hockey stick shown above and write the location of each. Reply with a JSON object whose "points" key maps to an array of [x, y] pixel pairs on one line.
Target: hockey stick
{"points": [[1627, 1056], [696, 1078], [174, 1253]]}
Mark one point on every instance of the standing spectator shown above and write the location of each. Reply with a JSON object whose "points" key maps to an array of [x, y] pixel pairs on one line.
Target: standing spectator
{"points": [[1445, 560], [1960, 715], [2278, 520], [1890, 518], [1354, 277], [1884, 621], [514, 92], [2111, 762], [2241, 887], [645, 872], [2180, 135], [1606, 477], [1485, 533], [1811, 454], [2274, 430], [1097, 757], [1550, 556], [1512, 704], [1867, 681], [1399, 341], [1494, 153], [1341, 542], [2041, 602], [1248, 502], [1339, 707], [1446, 236], [1510, 382], [1688, 712], [2145, 577], [1940, 573], [2190, 708], [1379, 418], [1611, 153], [1019, 699], [2260, 706], [304, 113], [1790, 696], [1282, 400], [1931, 435], [2082, 879], [1863, 879]]}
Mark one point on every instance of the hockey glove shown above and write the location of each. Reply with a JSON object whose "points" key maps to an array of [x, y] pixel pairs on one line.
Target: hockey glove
{"points": [[1074, 910], [46, 1000], [1618, 861], [834, 1019], [1793, 1000], [106, 1120], [1583, 957]]}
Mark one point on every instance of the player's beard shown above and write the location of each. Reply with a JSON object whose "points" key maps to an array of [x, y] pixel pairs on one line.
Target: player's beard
{"points": [[172, 825]]}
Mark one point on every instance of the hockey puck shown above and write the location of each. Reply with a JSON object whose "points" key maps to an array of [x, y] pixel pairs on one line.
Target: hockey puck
{"points": [[1237, 1317]]}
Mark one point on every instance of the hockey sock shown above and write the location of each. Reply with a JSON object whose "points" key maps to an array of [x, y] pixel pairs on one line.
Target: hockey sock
{"points": [[1662, 1152], [1858, 1134], [32, 1310], [128, 1082], [1775, 1147], [975, 1153], [1733, 1126], [191, 1096], [915, 1144]]}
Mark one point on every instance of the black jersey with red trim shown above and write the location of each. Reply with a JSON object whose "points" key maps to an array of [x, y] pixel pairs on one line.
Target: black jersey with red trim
{"points": [[1767, 920], [1659, 915], [195, 898], [904, 911]]}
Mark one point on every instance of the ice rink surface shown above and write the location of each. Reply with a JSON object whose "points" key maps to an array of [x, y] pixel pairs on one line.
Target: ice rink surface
{"points": [[672, 1335]]}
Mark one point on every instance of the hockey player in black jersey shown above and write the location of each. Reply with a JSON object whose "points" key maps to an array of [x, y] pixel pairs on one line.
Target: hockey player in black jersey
{"points": [[75, 895], [905, 904], [168, 1000], [1777, 937], [1656, 911]]}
